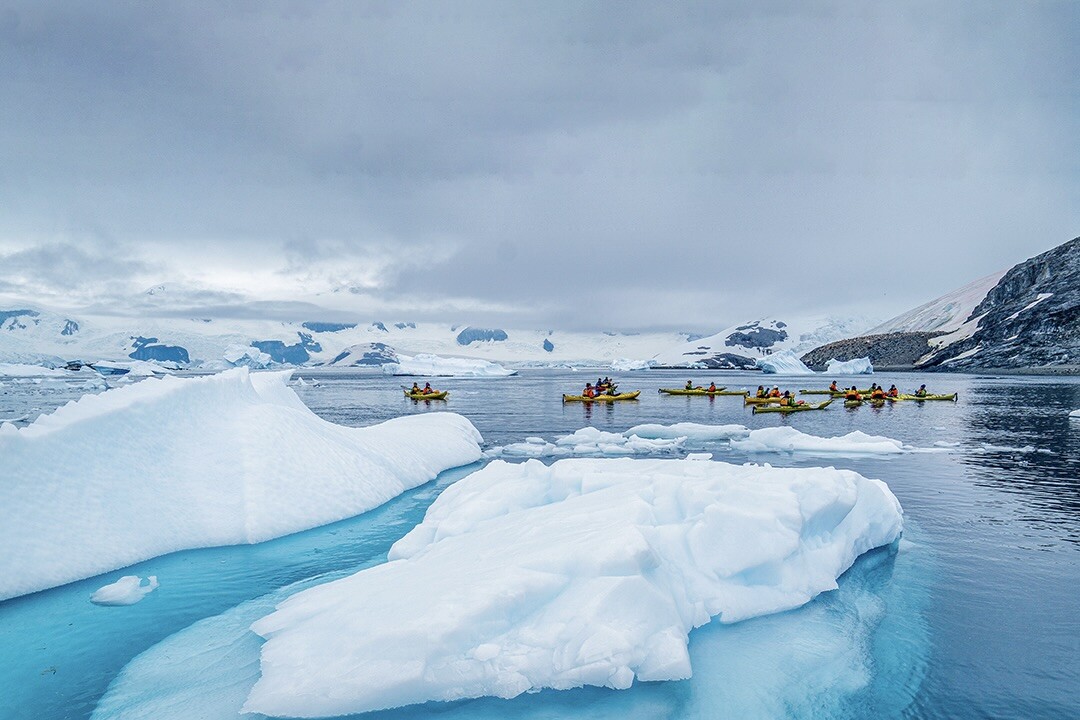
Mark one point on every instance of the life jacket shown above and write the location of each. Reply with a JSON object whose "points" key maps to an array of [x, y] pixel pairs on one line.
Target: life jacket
{"points": [[833, 388], [853, 395], [920, 393], [893, 392], [712, 387], [762, 394], [878, 394], [774, 393]]}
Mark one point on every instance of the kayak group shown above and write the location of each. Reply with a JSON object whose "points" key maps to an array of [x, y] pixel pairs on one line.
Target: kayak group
{"points": [[426, 390], [604, 386]]}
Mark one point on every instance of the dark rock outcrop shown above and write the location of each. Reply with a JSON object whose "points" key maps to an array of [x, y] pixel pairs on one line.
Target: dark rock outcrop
{"points": [[890, 351], [1030, 319]]}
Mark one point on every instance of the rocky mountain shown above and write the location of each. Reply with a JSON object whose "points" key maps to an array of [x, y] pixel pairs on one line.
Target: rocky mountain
{"points": [[1028, 320]]}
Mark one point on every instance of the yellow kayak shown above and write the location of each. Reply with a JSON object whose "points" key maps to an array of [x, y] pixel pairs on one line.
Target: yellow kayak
{"points": [[792, 408], [429, 396], [761, 401], [602, 398], [926, 397], [700, 391]]}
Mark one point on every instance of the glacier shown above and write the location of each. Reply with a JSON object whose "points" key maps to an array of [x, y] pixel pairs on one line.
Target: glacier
{"points": [[427, 365], [582, 572], [175, 463], [855, 366]]}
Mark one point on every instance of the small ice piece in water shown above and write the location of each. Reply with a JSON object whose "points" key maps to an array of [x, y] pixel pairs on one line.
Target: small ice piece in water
{"points": [[128, 590], [858, 366], [788, 439], [1075, 414]]}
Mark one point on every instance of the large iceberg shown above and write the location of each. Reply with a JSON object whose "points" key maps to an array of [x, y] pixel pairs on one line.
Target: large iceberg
{"points": [[584, 572], [857, 366], [169, 464], [783, 363], [426, 365]]}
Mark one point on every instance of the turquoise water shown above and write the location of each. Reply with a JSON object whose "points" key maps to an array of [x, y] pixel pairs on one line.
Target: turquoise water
{"points": [[973, 614]]}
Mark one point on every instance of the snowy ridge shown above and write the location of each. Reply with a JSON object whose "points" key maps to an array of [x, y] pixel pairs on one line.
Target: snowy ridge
{"points": [[946, 313], [584, 572], [169, 464]]}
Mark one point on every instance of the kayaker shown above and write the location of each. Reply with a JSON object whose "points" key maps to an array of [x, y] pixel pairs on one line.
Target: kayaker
{"points": [[788, 399], [712, 387], [893, 392], [833, 387], [761, 392], [588, 391], [921, 392], [853, 394], [878, 393], [427, 389], [689, 384], [415, 389], [775, 392]]}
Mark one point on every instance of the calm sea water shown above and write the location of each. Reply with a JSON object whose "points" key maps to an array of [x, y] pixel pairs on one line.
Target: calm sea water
{"points": [[975, 614]]}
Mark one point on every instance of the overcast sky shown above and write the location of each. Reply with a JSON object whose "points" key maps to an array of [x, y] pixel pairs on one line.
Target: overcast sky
{"points": [[549, 164]]}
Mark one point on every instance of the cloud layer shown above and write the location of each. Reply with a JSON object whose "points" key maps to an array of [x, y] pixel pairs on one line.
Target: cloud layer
{"points": [[585, 165]]}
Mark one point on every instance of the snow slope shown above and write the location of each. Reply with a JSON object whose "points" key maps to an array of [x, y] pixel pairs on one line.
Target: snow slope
{"points": [[425, 365], [761, 338], [946, 314], [168, 464], [584, 572]]}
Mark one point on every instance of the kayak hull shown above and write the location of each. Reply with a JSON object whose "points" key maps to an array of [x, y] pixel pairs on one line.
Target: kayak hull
{"points": [[761, 401], [791, 408], [602, 398], [695, 391], [429, 396], [952, 397]]}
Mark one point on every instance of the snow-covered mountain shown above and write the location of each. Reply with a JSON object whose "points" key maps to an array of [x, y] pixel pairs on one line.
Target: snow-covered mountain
{"points": [[945, 314], [37, 335], [740, 346]]}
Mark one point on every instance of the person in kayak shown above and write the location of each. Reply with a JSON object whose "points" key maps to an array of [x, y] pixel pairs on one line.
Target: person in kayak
{"points": [[921, 392], [689, 384], [788, 400], [588, 391], [893, 392], [878, 393], [712, 387], [427, 389], [833, 387], [775, 392], [853, 394], [415, 389], [761, 392]]}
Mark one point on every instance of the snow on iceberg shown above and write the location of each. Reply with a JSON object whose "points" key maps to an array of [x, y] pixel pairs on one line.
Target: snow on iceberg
{"points": [[628, 365], [788, 439], [18, 370], [784, 363], [693, 433], [426, 365], [858, 366], [128, 590], [247, 356], [589, 442], [1075, 414], [175, 463], [584, 572]]}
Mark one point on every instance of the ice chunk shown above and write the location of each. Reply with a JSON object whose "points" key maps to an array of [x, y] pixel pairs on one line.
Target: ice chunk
{"points": [[784, 363], [174, 463], [589, 442], [1075, 414], [247, 356], [694, 433], [128, 590], [857, 366], [584, 572], [426, 365], [30, 371], [628, 365], [788, 439]]}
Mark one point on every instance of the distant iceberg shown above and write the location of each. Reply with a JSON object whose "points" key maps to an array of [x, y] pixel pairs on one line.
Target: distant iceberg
{"points": [[858, 366], [582, 572], [628, 365], [247, 356], [176, 463], [784, 363], [788, 439], [426, 365]]}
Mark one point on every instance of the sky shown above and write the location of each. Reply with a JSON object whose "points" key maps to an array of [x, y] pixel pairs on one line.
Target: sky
{"points": [[572, 165]]}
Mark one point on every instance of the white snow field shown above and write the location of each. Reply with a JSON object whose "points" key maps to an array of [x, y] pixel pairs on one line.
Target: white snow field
{"points": [[788, 439], [175, 463], [128, 590], [947, 313], [857, 366], [19, 370], [784, 363], [584, 572], [426, 365]]}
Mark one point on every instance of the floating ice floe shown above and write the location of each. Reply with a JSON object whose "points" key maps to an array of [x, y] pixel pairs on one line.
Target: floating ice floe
{"points": [[858, 366], [128, 590], [1075, 414], [1018, 450], [784, 363], [584, 572], [788, 439], [638, 440], [426, 365], [175, 463], [18, 370]]}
